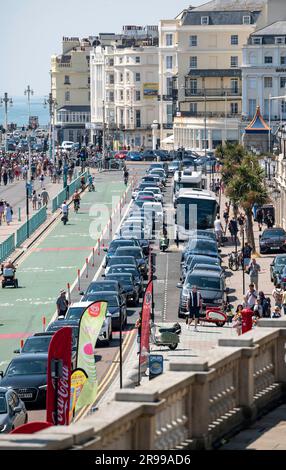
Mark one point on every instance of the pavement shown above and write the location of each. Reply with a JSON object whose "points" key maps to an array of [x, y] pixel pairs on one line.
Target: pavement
{"points": [[15, 195]]}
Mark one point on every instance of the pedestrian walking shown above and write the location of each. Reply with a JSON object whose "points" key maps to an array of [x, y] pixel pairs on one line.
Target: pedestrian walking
{"points": [[259, 218], [42, 179], [253, 270], [39, 201], [278, 294], [237, 320], [5, 177], [269, 220], [250, 298], [2, 210], [233, 229], [194, 307], [241, 223], [62, 304], [266, 304], [45, 197], [34, 200], [8, 213], [138, 325], [218, 230], [246, 255]]}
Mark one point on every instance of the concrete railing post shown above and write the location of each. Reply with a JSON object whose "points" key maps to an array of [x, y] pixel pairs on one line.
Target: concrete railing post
{"points": [[281, 359], [199, 417]]}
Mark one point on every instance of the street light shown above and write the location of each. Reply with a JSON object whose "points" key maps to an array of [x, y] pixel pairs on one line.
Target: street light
{"points": [[52, 110], [6, 100], [29, 92]]}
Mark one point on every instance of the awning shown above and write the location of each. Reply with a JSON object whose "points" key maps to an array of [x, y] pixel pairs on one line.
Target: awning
{"points": [[168, 140]]}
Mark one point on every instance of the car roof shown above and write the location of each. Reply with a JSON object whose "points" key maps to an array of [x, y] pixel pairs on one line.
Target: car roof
{"points": [[102, 293], [201, 272], [129, 266], [29, 357], [64, 323]]}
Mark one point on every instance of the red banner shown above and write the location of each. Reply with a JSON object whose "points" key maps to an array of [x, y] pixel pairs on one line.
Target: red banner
{"points": [[31, 428], [145, 324], [59, 377]]}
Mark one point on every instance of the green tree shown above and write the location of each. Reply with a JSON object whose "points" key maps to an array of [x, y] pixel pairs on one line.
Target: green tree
{"points": [[245, 188]]}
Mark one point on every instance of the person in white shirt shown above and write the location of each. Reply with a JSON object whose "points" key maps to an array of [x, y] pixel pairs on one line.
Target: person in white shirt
{"points": [[218, 230], [65, 209]]}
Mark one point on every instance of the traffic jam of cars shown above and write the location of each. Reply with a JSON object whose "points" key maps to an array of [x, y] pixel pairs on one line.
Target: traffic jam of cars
{"points": [[126, 269]]}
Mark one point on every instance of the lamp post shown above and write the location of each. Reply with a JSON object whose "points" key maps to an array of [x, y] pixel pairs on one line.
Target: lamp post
{"points": [[243, 270], [154, 127], [6, 100], [52, 110], [29, 92]]}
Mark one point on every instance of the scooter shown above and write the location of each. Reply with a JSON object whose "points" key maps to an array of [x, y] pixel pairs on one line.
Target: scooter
{"points": [[168, 337], [9, 278], [164, 244]]}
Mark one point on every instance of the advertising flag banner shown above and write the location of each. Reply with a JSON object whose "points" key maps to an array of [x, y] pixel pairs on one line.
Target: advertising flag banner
{"points": [[145, 326], [31, 428], [78, 380], [59, 377], [89, 328]]}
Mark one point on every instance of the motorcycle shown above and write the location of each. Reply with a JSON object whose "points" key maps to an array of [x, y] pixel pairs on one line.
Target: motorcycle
{"points": [[168, 337], [164, 244]]}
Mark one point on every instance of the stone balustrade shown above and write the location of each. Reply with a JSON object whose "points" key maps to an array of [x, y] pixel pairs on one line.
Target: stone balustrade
{"points": [[193, 405]]}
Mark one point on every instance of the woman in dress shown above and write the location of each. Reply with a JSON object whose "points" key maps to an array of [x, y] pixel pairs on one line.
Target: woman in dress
{"points": [[8, 213]]}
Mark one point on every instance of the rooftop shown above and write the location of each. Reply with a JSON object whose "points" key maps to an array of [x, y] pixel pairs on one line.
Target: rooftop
{"points": [[275, 29], [231, 5], [257, 125]]}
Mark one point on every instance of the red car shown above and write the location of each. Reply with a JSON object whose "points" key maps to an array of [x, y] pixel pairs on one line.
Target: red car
{"points": [[121, 155]]}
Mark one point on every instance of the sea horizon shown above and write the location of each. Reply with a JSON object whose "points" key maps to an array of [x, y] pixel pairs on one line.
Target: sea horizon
{"points": [[19, 114]]}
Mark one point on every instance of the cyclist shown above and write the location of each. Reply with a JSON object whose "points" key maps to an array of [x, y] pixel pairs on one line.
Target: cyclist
{"points": [[126, 176], [76, 201]]}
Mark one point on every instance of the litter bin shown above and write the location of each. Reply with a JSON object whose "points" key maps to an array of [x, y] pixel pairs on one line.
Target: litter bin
{"points": [[247, 315]]}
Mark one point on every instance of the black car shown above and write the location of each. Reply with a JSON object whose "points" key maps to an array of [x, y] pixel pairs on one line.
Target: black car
{"points": [[38, 343], [149, 155], [126, 268], [277, 267], [121, 260], [102, 286], [272, 239], [27, 375], [137, 253], [117, 243], [198, 259], [144, 243], [131, 287], [210, 284], [116, 308]]}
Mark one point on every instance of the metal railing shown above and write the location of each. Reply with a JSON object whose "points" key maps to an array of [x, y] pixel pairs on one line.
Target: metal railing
{"points": [[7, 247], [31, 226], [221, 92], [208, 114]]}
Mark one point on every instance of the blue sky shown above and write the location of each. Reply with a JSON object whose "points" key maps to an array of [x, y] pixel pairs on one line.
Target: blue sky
{"points": [[31, 31]]}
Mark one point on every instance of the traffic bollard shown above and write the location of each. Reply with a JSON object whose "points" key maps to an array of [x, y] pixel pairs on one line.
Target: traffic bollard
{"points": [[19, 214], [98, 247], [21, 343], [69, 293], [93, 257], [86, 262], [78, 279], [44, 323]]}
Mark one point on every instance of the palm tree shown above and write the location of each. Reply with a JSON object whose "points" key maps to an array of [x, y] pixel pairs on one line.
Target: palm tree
{"points": [[247, 188]]}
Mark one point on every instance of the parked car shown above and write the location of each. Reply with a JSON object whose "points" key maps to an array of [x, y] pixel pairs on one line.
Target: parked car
{"points": [[281, 278], [131, 287], [157, 193], [117, 243], [210, 284], [173, 167], [126, 268], [67, 145], [276, 267], [138, 255], [38, 343], [272, 239], [13, 412], [149, 155], [121, 260], [76, 310], [121, 155], [134, 156], [192, 260], [102, 286], [27, 375]]}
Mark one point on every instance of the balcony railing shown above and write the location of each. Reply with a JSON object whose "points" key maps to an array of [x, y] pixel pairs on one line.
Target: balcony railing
{"points": [[208, 114], [220, 92], [134, 127]]}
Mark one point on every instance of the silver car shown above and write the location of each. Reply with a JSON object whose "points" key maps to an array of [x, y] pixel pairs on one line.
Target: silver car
{"points": [[13, 412]]}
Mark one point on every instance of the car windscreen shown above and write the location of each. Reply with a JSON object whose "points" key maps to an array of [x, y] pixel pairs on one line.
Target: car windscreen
{"points": [[75, 313], [122, 260], [37, 344], [117, 243], [280, 261], [202, 245], [101, 286], [204, 282], [124, 269], [111, 299], [124, 279], [27, 367], [131, 252], [279, 232], [3, 404]]}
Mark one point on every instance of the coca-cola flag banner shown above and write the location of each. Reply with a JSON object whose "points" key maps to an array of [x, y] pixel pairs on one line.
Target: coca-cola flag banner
{"points": [[89, 328], [59, 377], [145, 327]]}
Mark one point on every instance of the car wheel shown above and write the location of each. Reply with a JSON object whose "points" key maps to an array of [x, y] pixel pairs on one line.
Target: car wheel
{"points": [[111, 336], [173, 346]]}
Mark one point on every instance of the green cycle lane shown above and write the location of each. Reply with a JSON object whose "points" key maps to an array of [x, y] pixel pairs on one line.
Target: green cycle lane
{"points": [[50, 265]]}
